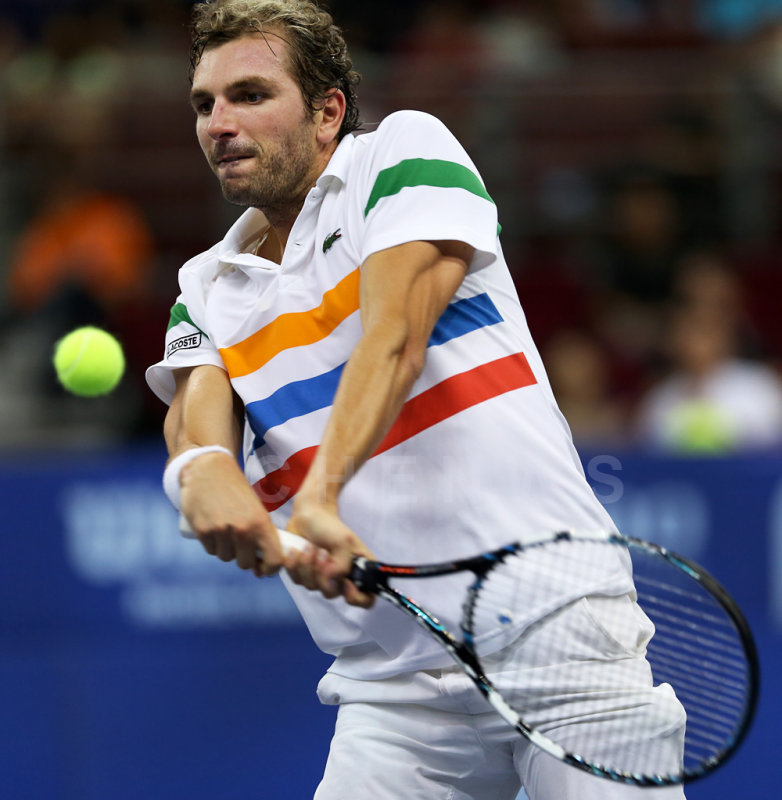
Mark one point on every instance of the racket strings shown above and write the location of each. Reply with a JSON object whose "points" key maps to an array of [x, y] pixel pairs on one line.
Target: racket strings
{"points": [[698, 650], [667, 671], [698, 617], [674, 653], [645, 688]]}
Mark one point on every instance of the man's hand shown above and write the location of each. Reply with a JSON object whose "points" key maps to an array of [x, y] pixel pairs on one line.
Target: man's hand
{"points": [[325, 564], [226, 515]]}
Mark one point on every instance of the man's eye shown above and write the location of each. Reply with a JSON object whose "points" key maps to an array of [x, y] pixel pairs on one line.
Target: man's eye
{"points": [[202, 109], [254, 97]]}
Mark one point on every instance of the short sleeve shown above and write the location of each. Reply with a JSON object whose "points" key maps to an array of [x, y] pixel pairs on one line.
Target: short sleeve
{"points": [[424, 186], [186, 345]]}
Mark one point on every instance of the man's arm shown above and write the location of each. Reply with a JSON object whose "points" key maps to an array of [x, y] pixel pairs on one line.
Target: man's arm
{"points": [[404, 290], [220, 505]]}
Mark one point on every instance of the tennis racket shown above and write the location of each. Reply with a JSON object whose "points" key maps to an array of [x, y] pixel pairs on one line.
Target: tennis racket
{"points": [[667, 686]]}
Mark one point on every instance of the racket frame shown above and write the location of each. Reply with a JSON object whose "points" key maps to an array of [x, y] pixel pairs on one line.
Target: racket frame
{"points": [[373, 577]]}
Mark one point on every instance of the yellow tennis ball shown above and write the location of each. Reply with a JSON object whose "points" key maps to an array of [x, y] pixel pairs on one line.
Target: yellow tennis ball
{"points": [[702, 428], [89, 361]]}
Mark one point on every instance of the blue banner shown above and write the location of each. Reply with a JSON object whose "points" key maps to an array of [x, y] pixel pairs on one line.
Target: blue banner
{"points": [[134, 665]]}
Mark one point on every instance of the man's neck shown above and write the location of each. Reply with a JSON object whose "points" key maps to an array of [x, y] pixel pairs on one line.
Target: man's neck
{"points": [[270, 247]]}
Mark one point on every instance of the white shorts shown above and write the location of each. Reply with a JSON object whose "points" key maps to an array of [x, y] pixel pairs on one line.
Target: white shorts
{"points": [[431, 735]]}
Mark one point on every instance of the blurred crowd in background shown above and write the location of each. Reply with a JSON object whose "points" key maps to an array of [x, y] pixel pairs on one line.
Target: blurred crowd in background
{"points": [[633, 147]]}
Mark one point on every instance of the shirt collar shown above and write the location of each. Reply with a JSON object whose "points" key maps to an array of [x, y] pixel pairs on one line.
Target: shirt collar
{"points": [[246, 231], [339, 163], [250, 226]]}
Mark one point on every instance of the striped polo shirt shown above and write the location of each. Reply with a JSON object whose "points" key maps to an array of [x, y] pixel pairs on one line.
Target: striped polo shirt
{"points": [[479, 454]]}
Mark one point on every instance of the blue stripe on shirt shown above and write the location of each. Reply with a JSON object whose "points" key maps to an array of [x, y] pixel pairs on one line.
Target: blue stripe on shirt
{"points": [[464, 316]]}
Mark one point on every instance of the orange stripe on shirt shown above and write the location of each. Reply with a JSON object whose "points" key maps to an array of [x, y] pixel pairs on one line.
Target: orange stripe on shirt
{"points": [[438, 403], [294, 329]]}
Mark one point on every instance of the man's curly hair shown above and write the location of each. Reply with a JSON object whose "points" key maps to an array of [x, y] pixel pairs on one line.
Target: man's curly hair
{"points": [[319, 56]]}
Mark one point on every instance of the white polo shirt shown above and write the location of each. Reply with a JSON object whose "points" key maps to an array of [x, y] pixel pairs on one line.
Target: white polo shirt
{"points": [[479, 456]]}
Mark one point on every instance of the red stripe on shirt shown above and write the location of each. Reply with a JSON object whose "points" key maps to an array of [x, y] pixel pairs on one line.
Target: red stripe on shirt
{"points": [[438, 403]]}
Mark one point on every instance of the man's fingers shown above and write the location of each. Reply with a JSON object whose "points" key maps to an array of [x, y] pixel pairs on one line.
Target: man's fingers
{"points": [[209, 543], [306, 568], [355, 597], [317, 570], [245, 544], [301, 566], [247, 555], [225, 551]]}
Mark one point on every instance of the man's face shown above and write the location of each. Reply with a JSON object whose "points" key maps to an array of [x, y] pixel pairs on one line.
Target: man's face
{"points": [[252, 124]]}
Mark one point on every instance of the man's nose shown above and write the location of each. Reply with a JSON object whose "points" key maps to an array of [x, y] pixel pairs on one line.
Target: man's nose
{"points": [[222, 121]]}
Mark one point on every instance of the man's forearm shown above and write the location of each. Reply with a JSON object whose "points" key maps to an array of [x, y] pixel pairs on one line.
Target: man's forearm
{"points": [[374, 386], [403, 292], [203, 412]]}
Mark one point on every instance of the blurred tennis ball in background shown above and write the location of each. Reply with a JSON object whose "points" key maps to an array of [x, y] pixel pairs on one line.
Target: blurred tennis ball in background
{"points": [[89, 361], [700, 427]]}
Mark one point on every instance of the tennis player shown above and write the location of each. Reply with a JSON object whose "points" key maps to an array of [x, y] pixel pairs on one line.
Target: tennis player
{"points": [[356, 341]]}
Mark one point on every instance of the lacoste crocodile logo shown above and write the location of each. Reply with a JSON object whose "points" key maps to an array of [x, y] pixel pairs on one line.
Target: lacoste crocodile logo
{"points": [[331, 238]]}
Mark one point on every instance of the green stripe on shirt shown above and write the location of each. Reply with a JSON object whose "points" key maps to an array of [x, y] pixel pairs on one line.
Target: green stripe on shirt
{"points": [[179, 314], [424, 172]]}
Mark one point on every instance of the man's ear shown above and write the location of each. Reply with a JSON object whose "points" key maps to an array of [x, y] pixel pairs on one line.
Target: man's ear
{"points": [[330, 116]]}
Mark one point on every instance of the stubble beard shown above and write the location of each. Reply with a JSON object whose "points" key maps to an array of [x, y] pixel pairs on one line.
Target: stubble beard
{"points": [[281, 177]]}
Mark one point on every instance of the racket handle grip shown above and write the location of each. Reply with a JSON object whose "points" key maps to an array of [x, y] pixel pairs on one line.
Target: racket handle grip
{"points": [[288, 541]]}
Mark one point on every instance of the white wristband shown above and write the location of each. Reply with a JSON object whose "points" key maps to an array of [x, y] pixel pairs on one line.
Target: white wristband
{"points": [[171, 473]]}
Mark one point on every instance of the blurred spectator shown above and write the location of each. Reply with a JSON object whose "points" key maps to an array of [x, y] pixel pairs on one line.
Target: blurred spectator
{"points": [[580, 376], [715, 399], [520, 40], [643, 230], [687, 144], [635, 261], [708, 286], [84, 254]]}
